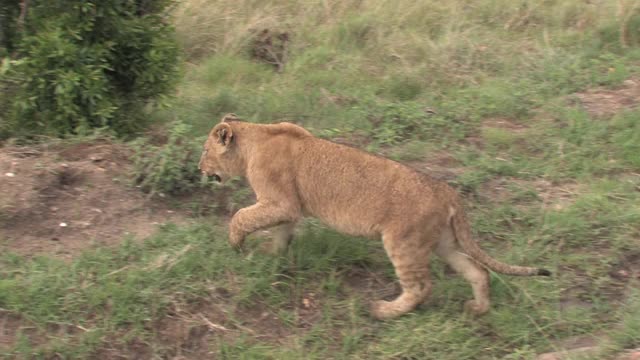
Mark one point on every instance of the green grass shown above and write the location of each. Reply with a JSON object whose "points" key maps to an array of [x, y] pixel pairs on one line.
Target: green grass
{"points": [[558, 188], [118, 296], [467, 61]]}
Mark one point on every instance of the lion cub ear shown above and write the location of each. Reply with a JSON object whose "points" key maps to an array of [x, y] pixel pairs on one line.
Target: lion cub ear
{"points": [[230, 117], [224, 133]]}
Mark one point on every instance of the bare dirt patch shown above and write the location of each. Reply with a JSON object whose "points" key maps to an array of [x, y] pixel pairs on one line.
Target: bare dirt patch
{"points": [[440, 165], [553, 196], [60, 200], [357, 140], [14, 328], [601, 102], [9, 325]]}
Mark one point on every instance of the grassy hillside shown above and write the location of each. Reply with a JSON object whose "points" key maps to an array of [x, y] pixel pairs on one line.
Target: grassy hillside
{"points": [[529, 108], [348, 59]]}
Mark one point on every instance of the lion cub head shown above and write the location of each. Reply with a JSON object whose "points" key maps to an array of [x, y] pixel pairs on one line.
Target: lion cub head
{"points": [[220, 156]]}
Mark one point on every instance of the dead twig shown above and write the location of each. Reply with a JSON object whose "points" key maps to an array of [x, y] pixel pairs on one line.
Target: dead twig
{"points": [[24, 7], [117, 271], [211, 325]]}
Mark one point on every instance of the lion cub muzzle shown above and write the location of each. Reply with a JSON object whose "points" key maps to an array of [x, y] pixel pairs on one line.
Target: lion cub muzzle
{"points": [[215, 176]]}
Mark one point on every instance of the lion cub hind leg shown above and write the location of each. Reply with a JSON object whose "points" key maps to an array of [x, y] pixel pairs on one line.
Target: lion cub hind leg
{"points": [[409, 256], [470, 270]]}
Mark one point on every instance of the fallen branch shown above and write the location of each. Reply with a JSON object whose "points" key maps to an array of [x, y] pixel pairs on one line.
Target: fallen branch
{"points": [[211, 325]]}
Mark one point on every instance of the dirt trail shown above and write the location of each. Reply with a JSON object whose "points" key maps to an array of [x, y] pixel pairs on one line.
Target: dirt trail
{"points": [[59, 200], [603, 102]]}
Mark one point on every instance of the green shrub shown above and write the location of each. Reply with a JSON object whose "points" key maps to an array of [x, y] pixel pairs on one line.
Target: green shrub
{"points": [[170, 168], [90, 64], [9, 13], [7, 89]]}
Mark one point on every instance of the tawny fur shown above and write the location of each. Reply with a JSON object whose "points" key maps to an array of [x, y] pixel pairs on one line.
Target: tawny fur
{"points": [[295, 174]]}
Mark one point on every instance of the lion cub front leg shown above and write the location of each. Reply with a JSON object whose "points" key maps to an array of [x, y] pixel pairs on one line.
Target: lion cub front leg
{"points": [[281, 237], [255, 217]]}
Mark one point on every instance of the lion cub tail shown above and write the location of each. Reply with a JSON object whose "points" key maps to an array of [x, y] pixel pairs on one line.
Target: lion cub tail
{"points": [[462, 232]]}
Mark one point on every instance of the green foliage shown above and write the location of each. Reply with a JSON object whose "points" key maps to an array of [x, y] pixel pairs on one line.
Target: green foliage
{"points": [[627, 137], [583, 146], [627, 335], [393, 123], [9, 13], [7, 89], [450, 339], [354, 32], [64, 89], [170, 168], [619, 36], [594, 216], [403, 88], [91, 64]]}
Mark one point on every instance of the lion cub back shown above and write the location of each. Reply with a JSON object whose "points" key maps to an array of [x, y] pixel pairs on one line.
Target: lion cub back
{"points": [[288, 128]]}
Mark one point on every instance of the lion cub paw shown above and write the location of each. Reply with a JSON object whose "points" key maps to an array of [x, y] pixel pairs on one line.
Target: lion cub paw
{"points": [[380, 309], [272, 248], [238, 247], [384, 310], [474, 308]]}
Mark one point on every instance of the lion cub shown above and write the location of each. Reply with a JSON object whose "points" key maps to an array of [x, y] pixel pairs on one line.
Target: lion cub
{"points": [[295, 174]]}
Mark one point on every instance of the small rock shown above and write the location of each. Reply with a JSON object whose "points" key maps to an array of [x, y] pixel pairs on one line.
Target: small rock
{"points": [[96, 158], [226, 293], [623, 273], [63, 224], [306, 302], [10, 174]]}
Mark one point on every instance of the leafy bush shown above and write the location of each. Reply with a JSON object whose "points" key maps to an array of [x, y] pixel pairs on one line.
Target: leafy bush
{"points": [[89, 64], [171, 168], [9, 13], [8, 90]]}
